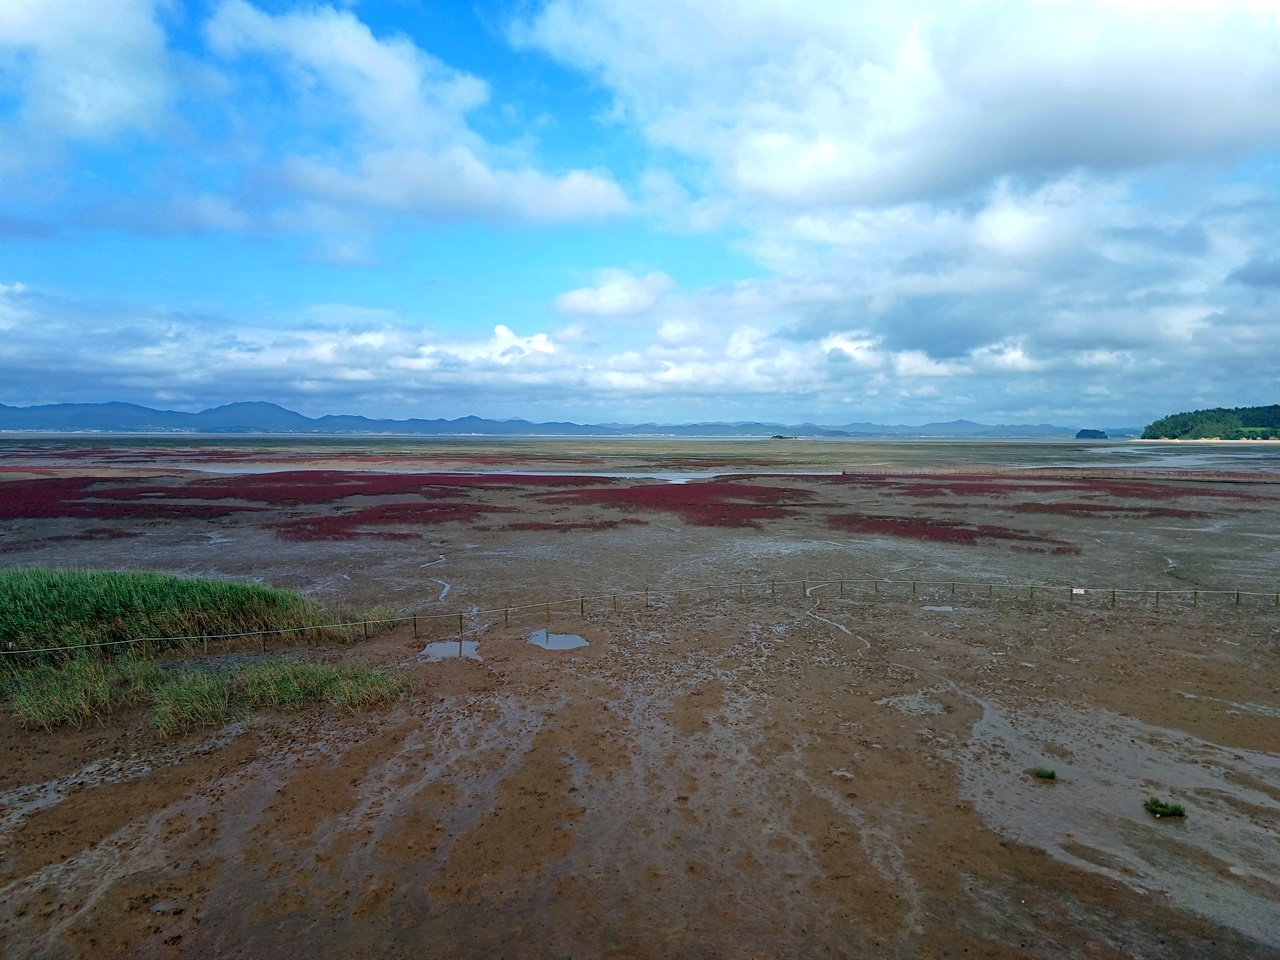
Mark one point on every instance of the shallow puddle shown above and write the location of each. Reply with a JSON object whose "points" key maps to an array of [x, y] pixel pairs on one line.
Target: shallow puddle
{"points": [[556, 641], [452, 649]]}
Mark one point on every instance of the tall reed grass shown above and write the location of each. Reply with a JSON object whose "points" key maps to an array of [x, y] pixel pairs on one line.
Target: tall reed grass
{"points": [[59, 608]]}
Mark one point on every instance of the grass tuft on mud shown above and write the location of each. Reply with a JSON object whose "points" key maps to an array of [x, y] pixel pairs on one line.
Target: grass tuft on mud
{"points": [[82, 689], [86, 689], [57, 608], [1164, 808], [195, 698]]}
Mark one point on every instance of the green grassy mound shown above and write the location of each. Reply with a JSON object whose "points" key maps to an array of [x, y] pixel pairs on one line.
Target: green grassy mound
{"points": [[59, 608]]}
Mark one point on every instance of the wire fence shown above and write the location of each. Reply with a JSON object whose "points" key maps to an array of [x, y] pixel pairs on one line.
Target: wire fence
{"points": [[617, 602]]}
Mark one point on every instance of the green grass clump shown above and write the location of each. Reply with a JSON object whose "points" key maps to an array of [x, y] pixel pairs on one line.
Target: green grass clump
{"points": [[77, 690], [196, 699], [57, 608], [1044, 773], [190, 699], [1163, 808]]}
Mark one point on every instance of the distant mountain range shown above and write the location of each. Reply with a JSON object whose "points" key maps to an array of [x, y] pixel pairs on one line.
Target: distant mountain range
{"points": [[268, 418]]}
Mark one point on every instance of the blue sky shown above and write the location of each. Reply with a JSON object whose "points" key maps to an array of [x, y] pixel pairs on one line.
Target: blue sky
{"points": [[631, 211]]}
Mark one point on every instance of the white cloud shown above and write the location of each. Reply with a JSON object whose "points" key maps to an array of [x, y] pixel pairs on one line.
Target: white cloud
{"points": [[83, 71], [405, 144], [812, 104], [616, 294]]}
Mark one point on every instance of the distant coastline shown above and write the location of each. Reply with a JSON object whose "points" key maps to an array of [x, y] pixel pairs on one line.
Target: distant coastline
{"points": [[268, 419]]}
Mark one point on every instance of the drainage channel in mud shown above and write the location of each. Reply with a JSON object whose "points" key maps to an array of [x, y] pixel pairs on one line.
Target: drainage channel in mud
{"points": [[556, 641], [451, 650]]}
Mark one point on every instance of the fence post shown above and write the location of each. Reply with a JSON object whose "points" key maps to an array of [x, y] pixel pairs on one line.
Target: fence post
{"points": [[506, 616], [582, 606], [646, 597], [988, 590], [1033, 592], [1157, 599], [615, 603], [804, 588], [1237, 598], [739, 589], [842, 588], [913, 588], [415, 626], [875, 585], [366, 629], [459, 625], [548, 613], [1195, 598], [953, 588], [1113, 597], [773, 588]]}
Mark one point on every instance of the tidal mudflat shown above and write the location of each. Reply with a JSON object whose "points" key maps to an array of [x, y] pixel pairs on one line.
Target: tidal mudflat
{"points": [[757, 759]]}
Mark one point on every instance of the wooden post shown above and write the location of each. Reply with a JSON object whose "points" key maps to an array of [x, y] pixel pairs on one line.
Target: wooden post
{"points": [[646, 597], [1237, 598], [1113, 598], [548, 613], [582, 606], [773, 587], [804, 588], [459, 632], [988, 589], [506, 616], [913, 588], [875, 584], [415, 626], [1195, 598], [615, 603], [739, 589], [366, 629], [1157, 599], [953, 588]]}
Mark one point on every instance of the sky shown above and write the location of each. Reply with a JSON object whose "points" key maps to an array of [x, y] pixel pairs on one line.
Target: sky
{"points": [[643, 211]]}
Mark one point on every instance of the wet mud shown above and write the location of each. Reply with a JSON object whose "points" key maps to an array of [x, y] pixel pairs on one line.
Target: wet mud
{"points": [[815, 770]]}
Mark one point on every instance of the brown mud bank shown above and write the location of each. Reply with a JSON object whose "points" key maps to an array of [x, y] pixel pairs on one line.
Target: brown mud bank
{"points": [[812, 777]]}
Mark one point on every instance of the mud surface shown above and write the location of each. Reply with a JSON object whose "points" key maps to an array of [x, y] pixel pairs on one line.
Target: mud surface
{"points": [[806, 770]]}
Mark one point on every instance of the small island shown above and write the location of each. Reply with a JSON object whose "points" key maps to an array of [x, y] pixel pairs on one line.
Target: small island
{"points": [[1219, 423], [1091, 435]]}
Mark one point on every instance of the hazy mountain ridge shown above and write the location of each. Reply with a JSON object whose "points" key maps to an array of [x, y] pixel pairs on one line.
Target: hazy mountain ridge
{"points": [[261, 417]]}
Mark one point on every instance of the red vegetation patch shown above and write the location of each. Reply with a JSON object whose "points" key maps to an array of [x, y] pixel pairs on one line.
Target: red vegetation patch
{"points": [[78, 497], [566, 525], [347, 526], [943, 531], [709, 504], [326, 486], [1107, 510]]}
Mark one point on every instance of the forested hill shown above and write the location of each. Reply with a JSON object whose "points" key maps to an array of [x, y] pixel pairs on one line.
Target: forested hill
{"points": [[1237, 423]]}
